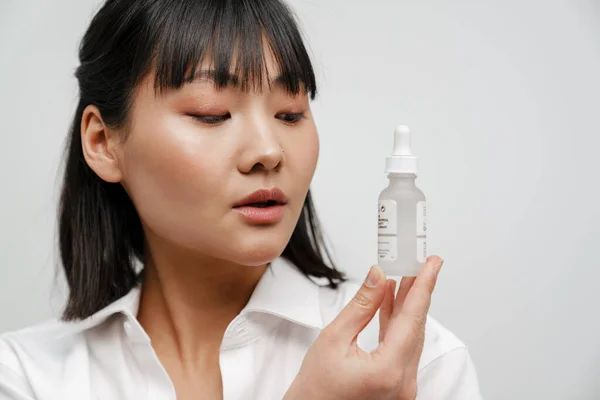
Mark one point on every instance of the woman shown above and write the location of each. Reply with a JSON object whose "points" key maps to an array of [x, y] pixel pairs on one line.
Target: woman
{"points": [[188, 236]]}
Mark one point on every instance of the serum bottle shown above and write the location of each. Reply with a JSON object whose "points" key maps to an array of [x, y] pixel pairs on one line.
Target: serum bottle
{"points": [[402, 233]]}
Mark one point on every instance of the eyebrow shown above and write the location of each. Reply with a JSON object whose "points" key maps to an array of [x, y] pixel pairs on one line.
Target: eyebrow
{"points": [[231, 79]]}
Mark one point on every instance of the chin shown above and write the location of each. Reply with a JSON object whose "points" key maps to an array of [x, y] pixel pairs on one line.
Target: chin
{"points": [[260, 255], [257, 249]]}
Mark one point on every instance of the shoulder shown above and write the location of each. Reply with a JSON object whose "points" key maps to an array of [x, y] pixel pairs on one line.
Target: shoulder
{"points": [[40, 344], [439, 341], [37, 360], [58, 356], [36, 352]]}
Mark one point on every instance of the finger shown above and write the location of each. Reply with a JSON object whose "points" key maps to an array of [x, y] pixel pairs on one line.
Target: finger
{"points": [[361, 309], [387, 307], [412, 368], [413, 365], [403, 289], [418, 299], [408, 328]]}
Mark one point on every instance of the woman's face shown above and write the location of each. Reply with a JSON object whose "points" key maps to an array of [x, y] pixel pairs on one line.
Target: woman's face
{"points": [[192, 154]]}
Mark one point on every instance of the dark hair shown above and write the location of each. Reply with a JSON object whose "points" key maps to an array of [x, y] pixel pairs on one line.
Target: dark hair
{"points": [[100, 232]]}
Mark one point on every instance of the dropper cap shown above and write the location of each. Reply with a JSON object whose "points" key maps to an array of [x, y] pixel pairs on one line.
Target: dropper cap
{"points": [[402, 160]]}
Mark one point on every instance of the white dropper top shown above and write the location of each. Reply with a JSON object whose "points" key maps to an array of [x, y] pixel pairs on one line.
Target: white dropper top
{"points": [[402, 160]]}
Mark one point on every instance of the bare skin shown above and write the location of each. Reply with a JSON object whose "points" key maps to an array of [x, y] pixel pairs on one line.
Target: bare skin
{"points": [[184, 175]]}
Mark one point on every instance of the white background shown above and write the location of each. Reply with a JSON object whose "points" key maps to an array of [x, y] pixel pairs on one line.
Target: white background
{"points": [[504, 100]]}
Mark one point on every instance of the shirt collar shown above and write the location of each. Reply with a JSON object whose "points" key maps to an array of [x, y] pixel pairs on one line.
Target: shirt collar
{"points": [[286, 292], [282, 291], [127, 305]]}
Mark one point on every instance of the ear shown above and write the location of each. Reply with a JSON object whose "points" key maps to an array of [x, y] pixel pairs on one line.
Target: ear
{"points": [[99, 145]]}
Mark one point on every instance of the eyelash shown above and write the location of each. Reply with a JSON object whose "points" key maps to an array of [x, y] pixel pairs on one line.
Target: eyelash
{"points": [[217, 119], [211, 119]]}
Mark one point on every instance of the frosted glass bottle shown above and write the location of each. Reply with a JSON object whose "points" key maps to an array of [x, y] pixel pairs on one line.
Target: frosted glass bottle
{"points": [[402, 214], [402, 242]]}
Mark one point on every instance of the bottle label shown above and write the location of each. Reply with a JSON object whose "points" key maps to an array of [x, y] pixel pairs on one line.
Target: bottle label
{"points": [[387, 217], [421, 249], [387, 248], [421, 218], [421, 231]]}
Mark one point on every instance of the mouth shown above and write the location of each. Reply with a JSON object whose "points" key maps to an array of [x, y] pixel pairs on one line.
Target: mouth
{"points": [[262, 207], [264, 204], [263, 198]]}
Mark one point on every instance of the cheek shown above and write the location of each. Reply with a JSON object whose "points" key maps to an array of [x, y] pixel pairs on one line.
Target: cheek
{"points": [[171, 177], [303, 156]]}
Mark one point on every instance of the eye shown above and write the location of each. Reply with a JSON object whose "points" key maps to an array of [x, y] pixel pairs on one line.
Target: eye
{"points": [[211, 119], [292, 118]]}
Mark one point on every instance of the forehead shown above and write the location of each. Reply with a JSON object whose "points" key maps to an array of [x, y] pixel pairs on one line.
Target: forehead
{"points": [[238, 67], [259, 78], [207, 71]]}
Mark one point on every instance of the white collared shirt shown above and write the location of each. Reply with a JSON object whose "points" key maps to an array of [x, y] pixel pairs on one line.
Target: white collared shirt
{"points": [[109, 355]]}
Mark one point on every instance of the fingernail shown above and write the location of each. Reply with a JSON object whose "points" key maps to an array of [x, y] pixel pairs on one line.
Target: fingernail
{"points": [[438, 264], [393, 285], [373, 277]]}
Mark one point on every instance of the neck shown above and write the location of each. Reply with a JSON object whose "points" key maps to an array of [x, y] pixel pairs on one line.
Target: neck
{"points": [[187, 302], [403, 179]]}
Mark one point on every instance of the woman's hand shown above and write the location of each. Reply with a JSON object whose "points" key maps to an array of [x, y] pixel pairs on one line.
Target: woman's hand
{"points": [[335, 368]]}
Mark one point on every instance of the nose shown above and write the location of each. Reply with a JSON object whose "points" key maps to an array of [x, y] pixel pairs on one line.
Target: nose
{"points": [[263, 151]]}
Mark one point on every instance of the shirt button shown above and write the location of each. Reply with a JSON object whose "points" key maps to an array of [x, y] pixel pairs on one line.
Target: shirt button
{"points": [[129, 329], [133, 332]]}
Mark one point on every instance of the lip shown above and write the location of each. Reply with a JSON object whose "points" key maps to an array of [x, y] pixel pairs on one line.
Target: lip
{"points": [[262, 196], [262, 215]]}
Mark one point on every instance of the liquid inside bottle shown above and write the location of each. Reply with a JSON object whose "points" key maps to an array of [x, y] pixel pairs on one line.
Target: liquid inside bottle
{"points": [[402, 233]]}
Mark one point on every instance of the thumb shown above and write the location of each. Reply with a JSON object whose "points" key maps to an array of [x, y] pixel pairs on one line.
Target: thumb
{"points": [[357, 314]]}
